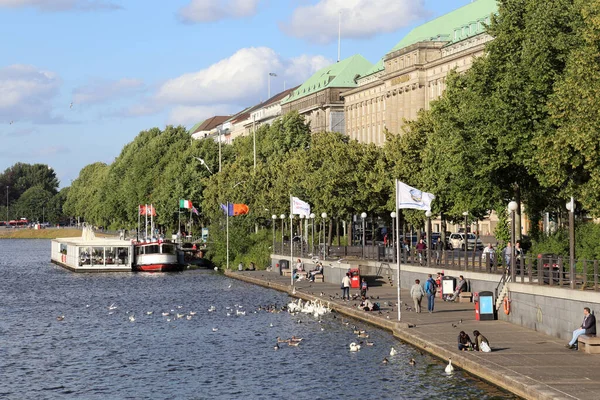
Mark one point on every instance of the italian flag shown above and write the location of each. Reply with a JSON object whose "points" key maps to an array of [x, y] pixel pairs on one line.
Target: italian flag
{"points": [[185, 204]]}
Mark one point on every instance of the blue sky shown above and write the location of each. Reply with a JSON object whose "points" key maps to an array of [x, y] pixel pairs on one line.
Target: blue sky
{"points": [[130, 65]]}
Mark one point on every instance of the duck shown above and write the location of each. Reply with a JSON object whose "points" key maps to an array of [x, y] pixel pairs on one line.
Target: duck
{"points": [[412, 361], [296, 339], [369, 343], [180, 315], [449, 368], [60, 318], [292, 343], [280, 340], [276, 347], [354, 346], [393, 352], [385, 361], [188, 317], [363, 335]]}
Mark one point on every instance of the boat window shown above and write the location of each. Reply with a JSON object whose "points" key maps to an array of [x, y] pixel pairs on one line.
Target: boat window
{"points": [[151, 249], [167, 248], [122, 255]]}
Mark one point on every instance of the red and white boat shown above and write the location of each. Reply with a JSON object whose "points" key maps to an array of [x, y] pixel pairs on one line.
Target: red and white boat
{"points": [[156, 256]]}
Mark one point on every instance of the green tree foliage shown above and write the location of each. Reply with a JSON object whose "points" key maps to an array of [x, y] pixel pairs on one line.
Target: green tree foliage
{"points": [[21, 177], [32, 204]]}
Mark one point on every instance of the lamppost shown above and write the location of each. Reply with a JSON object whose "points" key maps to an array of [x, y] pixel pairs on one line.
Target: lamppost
{"points": [[363, 216], [271, 74], [301, 236], [393, 215], [274, 218], [282, 217], [324, 216], [312, 238], [512, 207], [571, 208], [466, 241], [428, 215]]}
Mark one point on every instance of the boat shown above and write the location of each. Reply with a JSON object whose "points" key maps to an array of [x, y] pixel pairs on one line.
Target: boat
{"points": [[156, 256]]}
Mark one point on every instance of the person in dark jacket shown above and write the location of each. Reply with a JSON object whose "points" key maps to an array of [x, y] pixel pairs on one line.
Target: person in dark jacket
{"points": [[464, 341], [588, 327]]}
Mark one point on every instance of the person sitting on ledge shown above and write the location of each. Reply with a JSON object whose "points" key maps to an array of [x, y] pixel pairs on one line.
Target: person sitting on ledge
{"points": [[461, 286], [479, 342], [251, 267], [367, 305], [588, 327], [316, 271], [464, 342]]}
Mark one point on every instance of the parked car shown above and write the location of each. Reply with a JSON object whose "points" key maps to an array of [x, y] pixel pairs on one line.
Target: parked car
{"points": [[457, 241]]}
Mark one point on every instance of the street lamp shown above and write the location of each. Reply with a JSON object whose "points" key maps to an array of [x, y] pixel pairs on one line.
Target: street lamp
{"points": [[571, 208], [301, 236], [271, 74], [512, 207], [274, 218], [363, 216], [393, 215], [324, 216], [202, 162], [312, 238], [466, 241], [428, 215], [282, 217]]}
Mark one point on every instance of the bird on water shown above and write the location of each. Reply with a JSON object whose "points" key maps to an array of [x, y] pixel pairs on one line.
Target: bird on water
{"points": [[449, 368]]}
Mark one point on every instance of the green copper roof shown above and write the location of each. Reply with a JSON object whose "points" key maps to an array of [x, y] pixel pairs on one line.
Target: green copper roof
{"points": [[376, 68], [193, 128], [340, 74], [454, 26]]}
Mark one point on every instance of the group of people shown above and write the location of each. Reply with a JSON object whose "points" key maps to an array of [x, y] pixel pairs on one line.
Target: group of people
{"points": [[489, 253], [479, 344]]}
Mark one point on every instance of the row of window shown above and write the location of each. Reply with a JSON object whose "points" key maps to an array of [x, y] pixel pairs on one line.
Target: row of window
{"points": [[473, 28]]}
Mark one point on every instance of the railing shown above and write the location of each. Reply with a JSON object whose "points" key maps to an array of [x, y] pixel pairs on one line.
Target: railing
{"points": [[535, 270]]}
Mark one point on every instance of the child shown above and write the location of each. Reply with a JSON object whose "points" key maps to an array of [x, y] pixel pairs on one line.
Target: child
{"points": [[363, 288]]}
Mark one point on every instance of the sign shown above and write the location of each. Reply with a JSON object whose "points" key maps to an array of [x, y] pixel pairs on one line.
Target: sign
{"points": [[400, 79]]}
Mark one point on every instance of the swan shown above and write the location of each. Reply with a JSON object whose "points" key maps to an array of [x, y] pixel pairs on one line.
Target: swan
{"points": [[354, 347], [449, 368], [393, 352]]}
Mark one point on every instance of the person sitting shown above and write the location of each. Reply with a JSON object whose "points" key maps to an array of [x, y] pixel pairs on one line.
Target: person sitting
{"points": [[251, 267], [479, 342], [461, 286], [464, 341], [368, 305], [588, 327], [318, 270]]}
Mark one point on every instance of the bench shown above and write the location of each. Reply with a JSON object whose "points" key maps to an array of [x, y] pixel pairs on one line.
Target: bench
{"points": [[464, 297], [588, 344], [286, 272], [319, 278]]}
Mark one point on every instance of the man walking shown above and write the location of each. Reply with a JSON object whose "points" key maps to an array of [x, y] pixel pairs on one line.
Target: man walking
{"points": [[588, 327], [346, 286], [430, 289], [416, 292]]}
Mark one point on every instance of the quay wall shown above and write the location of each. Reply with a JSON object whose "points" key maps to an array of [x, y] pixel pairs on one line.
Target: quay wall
{"points": [[551, 310]]}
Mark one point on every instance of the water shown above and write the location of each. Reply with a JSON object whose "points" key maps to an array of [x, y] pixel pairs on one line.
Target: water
{"points": [[93, 354]]}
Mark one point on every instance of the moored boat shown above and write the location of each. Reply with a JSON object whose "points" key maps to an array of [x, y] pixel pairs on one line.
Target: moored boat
{"points": [[156, 256]]}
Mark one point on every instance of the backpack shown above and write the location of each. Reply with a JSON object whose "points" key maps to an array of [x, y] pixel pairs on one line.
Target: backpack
{"points": [[431, 287]]}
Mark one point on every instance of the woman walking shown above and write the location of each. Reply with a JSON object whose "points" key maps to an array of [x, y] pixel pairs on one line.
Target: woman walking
{"points": [[417, 293]]}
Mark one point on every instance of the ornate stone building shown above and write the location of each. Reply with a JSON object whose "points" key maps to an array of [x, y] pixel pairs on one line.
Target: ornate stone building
{"points": [[319, 98], [413, 73]]}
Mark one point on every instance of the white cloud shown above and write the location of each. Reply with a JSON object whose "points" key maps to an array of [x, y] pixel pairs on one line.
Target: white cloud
{"points": [[61, 5], [27, 93], [188, 115], [239, 79], [360, 18], [102, 90], [214, 10]]}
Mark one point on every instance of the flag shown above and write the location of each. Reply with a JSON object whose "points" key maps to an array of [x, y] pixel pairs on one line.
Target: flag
{"points": [[409, 197], [195, 211], [235, 209], [147, 210], [300, 207], [185, 204]]}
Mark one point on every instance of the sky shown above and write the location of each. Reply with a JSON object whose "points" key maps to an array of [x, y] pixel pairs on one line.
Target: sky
{"points": [[79, 79]]}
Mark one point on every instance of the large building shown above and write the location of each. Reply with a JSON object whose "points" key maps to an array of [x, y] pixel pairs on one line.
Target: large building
{"points": [[413, 73], [319, 98]]}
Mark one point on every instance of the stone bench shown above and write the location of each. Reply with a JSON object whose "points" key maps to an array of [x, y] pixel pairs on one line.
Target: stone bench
{"points": [[286, 272], [319, 278], [465, 297], [588, 344]]}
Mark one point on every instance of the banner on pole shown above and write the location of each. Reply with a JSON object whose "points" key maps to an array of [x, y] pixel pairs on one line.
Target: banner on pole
{"points": [[185, 204], [409, 197], [300, 207], [233, 210]]}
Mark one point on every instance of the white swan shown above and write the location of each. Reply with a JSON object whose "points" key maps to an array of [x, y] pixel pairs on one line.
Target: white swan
{"points": [[449, 368], [354, 347], [393, 352]]}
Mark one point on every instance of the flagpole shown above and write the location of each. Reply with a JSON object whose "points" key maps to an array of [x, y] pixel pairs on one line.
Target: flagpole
{"points": [[151, 221], [291, 243], [179, 223], [146, 212], [137, 233], [227, 223], [399, 305]]}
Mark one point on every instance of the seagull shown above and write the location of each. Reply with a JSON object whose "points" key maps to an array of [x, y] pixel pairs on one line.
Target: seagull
{"points": [[215, 329], [237, 312], [188, 317], [60, 318], [71, 105], [270, 325], [12, 122], [229, 287], [149, 312], [180, 315], [112, 306], [449, 368], [165, 314], [131, 318], [212, 308], [193, 313], [393, 352]]}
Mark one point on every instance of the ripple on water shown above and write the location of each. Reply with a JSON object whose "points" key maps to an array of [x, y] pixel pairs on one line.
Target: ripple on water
{"points": [[97, 353]]}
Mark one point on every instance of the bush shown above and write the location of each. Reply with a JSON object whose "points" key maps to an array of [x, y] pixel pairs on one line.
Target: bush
{"points": [[587, 242]]}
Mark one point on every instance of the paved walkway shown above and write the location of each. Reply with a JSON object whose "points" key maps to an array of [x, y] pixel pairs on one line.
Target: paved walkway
{"points": [[530, 364]]}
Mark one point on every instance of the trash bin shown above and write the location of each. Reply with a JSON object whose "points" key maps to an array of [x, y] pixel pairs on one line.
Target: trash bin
{"points": [[354, 278], [448, 285], [476, 302], [485, 306]]}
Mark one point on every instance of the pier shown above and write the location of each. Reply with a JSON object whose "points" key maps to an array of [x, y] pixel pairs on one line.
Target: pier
{"points": [[530, 364]]}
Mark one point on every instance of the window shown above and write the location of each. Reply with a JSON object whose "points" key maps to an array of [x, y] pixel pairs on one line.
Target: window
{"points": [[456, 34]]}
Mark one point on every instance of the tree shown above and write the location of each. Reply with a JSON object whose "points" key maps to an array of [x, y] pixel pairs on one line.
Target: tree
{"points": [[33, 203]]}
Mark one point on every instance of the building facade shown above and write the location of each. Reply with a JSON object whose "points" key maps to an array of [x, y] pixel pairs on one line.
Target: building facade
{"points": [[413, 73]]}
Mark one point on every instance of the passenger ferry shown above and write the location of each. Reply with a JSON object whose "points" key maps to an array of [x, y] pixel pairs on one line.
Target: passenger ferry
{"points": [[156, 256]]}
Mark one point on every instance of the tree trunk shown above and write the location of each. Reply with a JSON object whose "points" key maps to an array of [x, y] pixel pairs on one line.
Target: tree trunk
{"points": [[518, 213], [337, 230], [330, 237], [350, 233]]}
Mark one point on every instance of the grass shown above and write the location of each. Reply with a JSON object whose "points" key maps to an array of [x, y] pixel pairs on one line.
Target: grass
{"points": [[50, 233]]}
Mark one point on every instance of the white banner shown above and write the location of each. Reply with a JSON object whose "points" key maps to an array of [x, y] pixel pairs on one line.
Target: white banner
{"points": [[300, 207], [409, 197]]}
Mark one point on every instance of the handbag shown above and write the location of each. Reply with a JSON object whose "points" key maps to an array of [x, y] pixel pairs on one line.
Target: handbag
{"points": [[485, 347]]}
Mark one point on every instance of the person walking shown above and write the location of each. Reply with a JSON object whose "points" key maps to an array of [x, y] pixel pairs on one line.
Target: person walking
{"points": [[417, 293], [588, 327], [363, 288], [430, 289], [421, 247], [346, 287]]}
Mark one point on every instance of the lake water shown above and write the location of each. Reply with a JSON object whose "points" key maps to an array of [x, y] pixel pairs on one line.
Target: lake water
{"points": [[97, 353]]}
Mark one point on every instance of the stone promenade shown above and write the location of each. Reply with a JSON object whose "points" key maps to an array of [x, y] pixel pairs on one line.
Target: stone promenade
{"points": [[527, 363]]}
